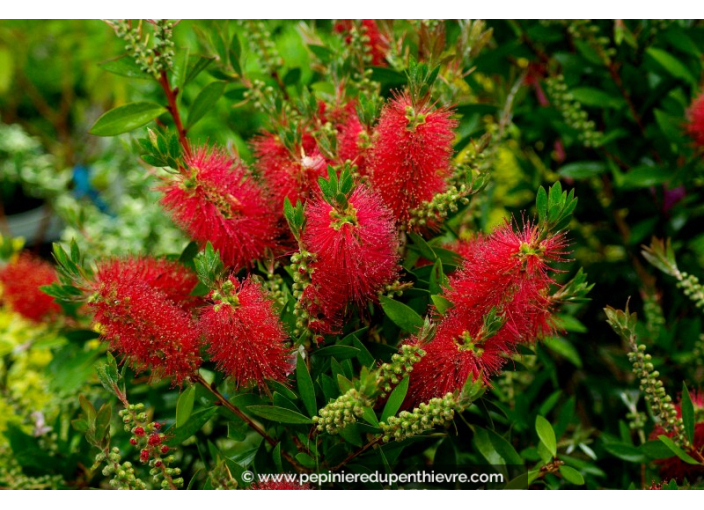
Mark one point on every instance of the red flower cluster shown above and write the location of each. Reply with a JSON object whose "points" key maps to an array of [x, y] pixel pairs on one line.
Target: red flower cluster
{"points": [[674, 467], [695, 126], [219, 203], [507, 271], [142, 321], [21, 279], [289, 176], [356, 253], [174, 280], [410, 160], [245, 337]]}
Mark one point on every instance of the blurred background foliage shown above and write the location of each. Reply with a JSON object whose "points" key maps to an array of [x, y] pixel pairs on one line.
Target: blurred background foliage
{"points": [[599, 105]]}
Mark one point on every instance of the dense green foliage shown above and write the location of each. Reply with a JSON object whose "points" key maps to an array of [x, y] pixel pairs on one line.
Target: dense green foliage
{"points": [[600, 108]]}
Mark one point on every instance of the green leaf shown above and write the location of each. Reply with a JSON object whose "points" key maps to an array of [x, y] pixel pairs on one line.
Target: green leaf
{"points": [[208, 265], [491, 444], [671, 65], [279, 414], [393, 404], [687, 413], [590, 96], [126, 118], [179, 434], [677, 450], [197, 67], [125, 66], [441, 303], [546, 434], [205, 101], [305, 386], [571, 475], [402, 315], [541, 204], [582, 169], [184, 405]]}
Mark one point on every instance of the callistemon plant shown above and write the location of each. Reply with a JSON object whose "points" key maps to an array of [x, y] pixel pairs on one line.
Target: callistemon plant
{"points": [[312, 312], [21, 280]]}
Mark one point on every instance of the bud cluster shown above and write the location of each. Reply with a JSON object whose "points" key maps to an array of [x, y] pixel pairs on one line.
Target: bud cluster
{"points": [[655, 394], [150, 60], [692, 288], [572, 112], [122, 473], [390, 374], [436, 412], [341, 412], [146, 436], [301, 272], [262, 44]]}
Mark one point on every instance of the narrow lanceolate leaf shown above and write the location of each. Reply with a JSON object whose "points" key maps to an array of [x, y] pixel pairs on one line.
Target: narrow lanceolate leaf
{"points": [[687, 413], [205, 101], [402, 315], [126, 118], [677, 450], [305, 386], [395, 400], [546, 434], [571, 475], [184, 405], [279, 414]]}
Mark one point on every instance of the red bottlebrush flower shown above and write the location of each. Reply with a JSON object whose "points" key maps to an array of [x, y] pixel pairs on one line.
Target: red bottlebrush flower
{"points": [[356, 250], [354, 143], [675, 468], [509, 270], [289, 176], [376, 45], [219, 203], [245, 337], [174, 280], [141, 322], [21, 279], [410, 159], [283, 485], [695, 125], [454, 354]]}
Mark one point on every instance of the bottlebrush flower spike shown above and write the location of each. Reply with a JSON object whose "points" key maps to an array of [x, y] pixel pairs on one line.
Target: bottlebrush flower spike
{"points": [[462, 347], [410, 160], [245, 337], [20, 283], [174, 280], [354, 240], [674, 467], [695, 126], [288, 175], [509, 270], [143, 324], [218, 202]]}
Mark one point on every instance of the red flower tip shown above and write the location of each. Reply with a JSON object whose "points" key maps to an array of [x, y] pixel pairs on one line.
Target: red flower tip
{"points": [[154, 439], [695, 125], [356, 251], [164, 449], [292, 176], [219, 203], [410, 159], [283, 485], [144, 456], [21, 280], [138, 431], [142, 322], [245, 336]]}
